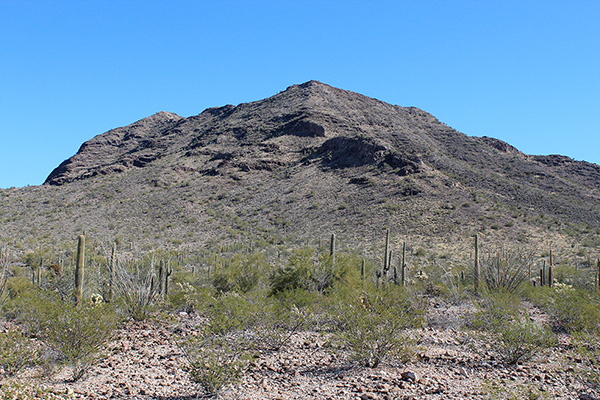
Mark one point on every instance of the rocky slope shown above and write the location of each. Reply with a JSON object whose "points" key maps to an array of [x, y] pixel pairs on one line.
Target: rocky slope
{"points": [[310, 160]]}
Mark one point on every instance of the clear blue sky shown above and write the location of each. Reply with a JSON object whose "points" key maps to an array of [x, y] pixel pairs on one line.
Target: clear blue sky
{"points": [[527, 72]]}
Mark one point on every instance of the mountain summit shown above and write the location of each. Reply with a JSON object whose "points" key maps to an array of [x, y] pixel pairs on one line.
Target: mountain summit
{"points": [[312, 159], [305, 122]]}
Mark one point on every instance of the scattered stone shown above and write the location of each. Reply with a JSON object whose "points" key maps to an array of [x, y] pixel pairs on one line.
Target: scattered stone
{"points": [[409, 376], [368, 396]]}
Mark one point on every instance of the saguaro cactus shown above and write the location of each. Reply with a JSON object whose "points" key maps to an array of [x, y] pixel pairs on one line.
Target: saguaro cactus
{"points": [[403, 267], [598, 273], [161, 279], [164, 272], [168, 272], [332, 250], [543, 274], [550, 270], [387, 252], [79, 268], [477, 279], [362, 273], [111, 272]]}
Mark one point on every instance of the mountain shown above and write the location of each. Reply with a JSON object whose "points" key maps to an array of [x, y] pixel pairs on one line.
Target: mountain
{"points": [[306, 162]]}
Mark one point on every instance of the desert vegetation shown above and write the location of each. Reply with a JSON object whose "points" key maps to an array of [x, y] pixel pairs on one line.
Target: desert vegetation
{"points": [[236, 311]]}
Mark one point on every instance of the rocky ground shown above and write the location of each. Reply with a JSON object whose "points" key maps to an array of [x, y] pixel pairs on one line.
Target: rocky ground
{"points": [[144, 362]]}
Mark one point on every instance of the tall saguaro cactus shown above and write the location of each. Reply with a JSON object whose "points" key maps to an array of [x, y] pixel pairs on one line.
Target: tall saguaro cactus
{"points": [[79, 268], [362, 273], [164, 272], [403, 267], [332, 251], [386, 256], [598, 273], [477, 280], [550, 270], [111, 276], [168, 272], [161, 279], [543, 274]]}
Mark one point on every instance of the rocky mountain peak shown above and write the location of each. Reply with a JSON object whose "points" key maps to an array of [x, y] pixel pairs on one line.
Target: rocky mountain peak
{"points": [[308, 161], [316, 130]]}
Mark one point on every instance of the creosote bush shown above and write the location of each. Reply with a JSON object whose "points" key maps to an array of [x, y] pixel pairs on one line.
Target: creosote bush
{"points": [[214, 361], [237, 326], [76, 335], [501, 390], [17, 352], [310, 270], [240, 273], [587, 347], [216, 355], [280, 317], [374, 325], [503, 321], [575, 310]]}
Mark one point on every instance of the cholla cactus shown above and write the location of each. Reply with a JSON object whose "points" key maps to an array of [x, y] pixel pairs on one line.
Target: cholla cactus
{"points": [[560, 287], [96, 299]]}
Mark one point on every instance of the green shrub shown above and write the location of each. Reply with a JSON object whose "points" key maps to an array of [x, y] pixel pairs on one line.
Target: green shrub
{"points": [[373, 326], [288, 278], [187, 296], [513, 335], [310, 270], [17, 352], [18, 286], [230, 313], [575, 310], [277, 319], [237, 325], [217, 354], [240, 273], [63, 284], [587, 347], [79, 334], [213, 361], [577, 277], [76, 334], [502, 390], [540, 296], [11, 389]]}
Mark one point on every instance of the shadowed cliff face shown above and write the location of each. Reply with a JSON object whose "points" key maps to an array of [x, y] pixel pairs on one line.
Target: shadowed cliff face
{"points": [[317, 158]]}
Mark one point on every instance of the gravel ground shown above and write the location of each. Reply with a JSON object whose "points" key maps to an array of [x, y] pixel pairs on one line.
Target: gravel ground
{"points": [[144, 362]]}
